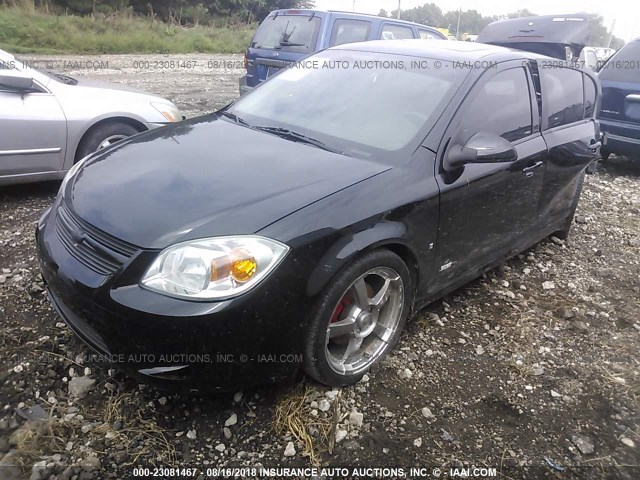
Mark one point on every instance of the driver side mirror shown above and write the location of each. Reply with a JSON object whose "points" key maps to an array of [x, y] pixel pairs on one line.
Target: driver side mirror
{"points": [[16, 82], [481, 148]]}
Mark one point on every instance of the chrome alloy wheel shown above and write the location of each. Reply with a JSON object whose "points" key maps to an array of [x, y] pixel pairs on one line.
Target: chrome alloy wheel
{"points": [[364, 321], [110, 141]]}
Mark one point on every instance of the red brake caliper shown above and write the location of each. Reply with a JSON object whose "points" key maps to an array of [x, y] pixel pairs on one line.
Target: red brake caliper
{"points": [[341, 308]]}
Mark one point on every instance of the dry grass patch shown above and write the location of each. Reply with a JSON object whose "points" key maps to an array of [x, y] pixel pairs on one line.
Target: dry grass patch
{"points": [[292, 416]]}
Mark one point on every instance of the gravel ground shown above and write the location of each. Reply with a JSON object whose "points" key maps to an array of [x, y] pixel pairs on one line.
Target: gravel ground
{"points": [[532, 369]]}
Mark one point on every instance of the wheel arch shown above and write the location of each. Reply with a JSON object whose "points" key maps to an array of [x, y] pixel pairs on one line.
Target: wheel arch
{"points": [[135, 123], [388, 235]]}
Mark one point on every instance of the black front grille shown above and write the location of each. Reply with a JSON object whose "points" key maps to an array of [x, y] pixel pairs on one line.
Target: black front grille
{"points": [[97, 250]]}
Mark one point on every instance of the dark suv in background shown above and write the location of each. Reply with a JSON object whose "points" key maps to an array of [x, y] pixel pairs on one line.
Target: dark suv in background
{"points": [[620, 114], [288, 36]]}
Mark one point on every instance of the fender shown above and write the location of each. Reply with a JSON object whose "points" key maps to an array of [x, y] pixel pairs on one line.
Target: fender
{"points": [[348, 246], [77, 128]]}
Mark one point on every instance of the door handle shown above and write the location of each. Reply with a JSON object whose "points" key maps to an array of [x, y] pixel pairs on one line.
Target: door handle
{"points": [[528, 171], [634, 98]]}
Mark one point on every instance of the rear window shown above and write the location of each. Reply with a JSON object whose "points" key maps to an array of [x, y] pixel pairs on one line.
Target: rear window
{"points": [[624, 66], [349, 31], [562, 95], [295, 33], [396, 32]]}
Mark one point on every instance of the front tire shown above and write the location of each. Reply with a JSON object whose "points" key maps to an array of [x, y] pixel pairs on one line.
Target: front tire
{"points": [[103, 135], [358, 318]]}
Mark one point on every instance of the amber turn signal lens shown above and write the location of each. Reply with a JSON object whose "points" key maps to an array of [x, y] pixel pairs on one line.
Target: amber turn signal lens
{"points": [[244, 269], [239, 265]]}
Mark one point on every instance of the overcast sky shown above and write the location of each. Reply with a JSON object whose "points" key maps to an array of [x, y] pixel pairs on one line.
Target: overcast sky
{"points": [[626, 13]]}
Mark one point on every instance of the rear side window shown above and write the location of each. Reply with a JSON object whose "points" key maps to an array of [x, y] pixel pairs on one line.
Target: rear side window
{"points": [[501, 106], [589, 97], [624, 66], [349, 31], [396, 32], [294, 33], [562, 95]]}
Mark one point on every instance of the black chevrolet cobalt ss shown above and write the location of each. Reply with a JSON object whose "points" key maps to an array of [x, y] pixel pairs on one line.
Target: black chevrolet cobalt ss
{"points": [[299, 227]]}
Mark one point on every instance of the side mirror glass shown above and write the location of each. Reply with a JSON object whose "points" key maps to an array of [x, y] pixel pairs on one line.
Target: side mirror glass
{"points": [[16, 82], [481, 148]]}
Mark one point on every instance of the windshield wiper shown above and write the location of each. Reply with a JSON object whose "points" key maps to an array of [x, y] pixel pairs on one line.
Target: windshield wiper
{"points": [[298, 137], [235, 118], [291, 44]]}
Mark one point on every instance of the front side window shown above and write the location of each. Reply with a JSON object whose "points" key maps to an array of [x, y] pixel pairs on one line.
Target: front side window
{"points": [[501, 106], [396, 32], [562, 95], [295, 33], [349, 31], [362, 103]]}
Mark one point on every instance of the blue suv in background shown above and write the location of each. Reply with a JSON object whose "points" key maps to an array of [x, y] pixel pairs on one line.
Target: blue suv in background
{"points": [[620, 111], [288, 36]]}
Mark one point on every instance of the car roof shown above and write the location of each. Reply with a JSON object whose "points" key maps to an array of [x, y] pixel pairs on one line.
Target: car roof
{"points": [[442, 49], [350, 15]]}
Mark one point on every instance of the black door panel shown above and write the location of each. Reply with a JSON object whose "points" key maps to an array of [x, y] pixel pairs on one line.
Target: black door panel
{"points": [[570, 151], [489, 210]]}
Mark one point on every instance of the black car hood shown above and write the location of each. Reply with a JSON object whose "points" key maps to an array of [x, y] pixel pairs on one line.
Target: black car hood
{"points": [[543, 34], [205, 177]]}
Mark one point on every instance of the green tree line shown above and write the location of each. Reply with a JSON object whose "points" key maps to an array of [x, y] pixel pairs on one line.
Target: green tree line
{"points": [[180, 11], [471, 21]]}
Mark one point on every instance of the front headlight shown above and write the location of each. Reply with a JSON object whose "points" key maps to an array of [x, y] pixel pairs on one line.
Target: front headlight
{"points": [[168, 111], [214, 268], [71, 173]]}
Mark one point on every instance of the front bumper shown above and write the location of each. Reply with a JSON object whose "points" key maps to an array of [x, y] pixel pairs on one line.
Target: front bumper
{"points": [[209, 345]]}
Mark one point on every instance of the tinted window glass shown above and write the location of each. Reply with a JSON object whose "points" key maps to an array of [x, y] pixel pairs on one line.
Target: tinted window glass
{"points": [[349, 31], [396, 32], [296, 33], [624, 66], [501, 106], [589, 97], [374, 105], [562, 95]]}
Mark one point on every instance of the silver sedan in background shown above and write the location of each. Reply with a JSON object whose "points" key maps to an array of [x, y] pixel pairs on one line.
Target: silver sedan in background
{"points": [[49, 121]]}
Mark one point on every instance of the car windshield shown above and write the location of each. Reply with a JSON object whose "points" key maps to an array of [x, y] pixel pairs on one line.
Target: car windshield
{"points": [[296, 33], [361, 103], [26, 65]]}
